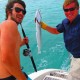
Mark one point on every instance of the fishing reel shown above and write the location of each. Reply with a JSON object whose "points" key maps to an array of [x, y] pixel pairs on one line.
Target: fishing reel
{"points": [[26, 52]]}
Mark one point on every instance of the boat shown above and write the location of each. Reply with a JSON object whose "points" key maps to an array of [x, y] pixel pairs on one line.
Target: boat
{"points": [[49, 74]]}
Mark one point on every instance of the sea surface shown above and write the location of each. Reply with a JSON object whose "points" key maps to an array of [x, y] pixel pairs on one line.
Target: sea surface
{"points": [[53, 53]]}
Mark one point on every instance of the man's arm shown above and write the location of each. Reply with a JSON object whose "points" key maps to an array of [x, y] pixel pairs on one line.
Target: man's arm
{"points": [[52, 30], [48, 28], [8, 50]]}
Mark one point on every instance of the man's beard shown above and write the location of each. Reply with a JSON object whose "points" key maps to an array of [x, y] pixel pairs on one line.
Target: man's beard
{"points": [[12, 18]]}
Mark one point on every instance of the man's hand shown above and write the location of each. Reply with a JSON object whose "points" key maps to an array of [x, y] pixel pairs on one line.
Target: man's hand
{"points": [[24, 41], [43, 25]]}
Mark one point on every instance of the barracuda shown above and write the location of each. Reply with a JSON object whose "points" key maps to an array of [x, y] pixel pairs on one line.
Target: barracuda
{"points": [[38, 30]]}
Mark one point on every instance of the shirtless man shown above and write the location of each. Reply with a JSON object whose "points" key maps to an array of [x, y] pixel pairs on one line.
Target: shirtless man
{"points": [[10, 42]]}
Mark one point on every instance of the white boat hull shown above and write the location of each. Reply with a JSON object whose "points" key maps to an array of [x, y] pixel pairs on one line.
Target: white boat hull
{"points": [[49, 74]]}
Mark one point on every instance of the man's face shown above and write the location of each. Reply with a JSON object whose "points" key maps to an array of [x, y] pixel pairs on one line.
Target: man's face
{"points": [[18, 13], [71, 11]]}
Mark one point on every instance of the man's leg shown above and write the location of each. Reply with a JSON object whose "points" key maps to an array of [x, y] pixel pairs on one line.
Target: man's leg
{"points": [[74, 73]]}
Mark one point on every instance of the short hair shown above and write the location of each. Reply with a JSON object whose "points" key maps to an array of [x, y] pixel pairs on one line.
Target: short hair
{"points": [[67, 2], [10, 5]]}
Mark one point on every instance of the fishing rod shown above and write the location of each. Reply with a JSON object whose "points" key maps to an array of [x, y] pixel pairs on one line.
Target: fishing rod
{"points": [[27, 51]]}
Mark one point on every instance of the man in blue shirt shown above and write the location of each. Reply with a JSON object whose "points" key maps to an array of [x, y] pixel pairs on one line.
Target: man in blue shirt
{"points": [[70, 27]]}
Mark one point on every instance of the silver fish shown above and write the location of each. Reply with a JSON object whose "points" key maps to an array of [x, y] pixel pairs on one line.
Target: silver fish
{"points": [[38, 30]]}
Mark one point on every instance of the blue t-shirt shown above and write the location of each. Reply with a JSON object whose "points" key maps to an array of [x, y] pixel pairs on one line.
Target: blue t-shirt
{"points": [[71, 33]]}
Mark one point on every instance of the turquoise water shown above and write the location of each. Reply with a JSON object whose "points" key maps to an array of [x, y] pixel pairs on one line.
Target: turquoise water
{"points": [[53, 53]]}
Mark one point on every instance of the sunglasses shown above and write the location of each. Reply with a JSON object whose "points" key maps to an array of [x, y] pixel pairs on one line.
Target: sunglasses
{"points": [[70, 9], [18, 10]]}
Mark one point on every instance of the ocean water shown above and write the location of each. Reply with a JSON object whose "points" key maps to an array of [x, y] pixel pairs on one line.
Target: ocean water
{"points": [[53, 53]]}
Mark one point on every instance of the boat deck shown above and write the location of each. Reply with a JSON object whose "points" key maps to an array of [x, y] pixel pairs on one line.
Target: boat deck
{"points": [[49, 74]]}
